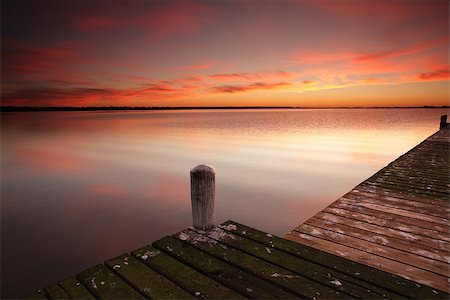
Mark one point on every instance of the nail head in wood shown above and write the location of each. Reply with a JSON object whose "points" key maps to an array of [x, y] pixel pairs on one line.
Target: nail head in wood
{"points": [[203, 188]]}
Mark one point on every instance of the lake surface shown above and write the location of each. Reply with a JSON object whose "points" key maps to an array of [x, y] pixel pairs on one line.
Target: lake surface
{"points": [[78, 188]]}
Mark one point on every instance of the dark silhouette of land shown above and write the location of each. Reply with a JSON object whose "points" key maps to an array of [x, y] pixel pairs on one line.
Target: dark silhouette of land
{"points": [[118, 108]]}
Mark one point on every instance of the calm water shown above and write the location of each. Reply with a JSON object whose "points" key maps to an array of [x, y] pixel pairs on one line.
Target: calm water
{"points": [[78, 188]]}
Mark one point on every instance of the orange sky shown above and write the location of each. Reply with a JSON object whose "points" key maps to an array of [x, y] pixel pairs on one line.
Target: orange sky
{"points": [[216, 53]]}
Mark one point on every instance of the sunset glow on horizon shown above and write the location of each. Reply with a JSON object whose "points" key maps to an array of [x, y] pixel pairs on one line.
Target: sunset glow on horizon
{"points": [[225, 53]]}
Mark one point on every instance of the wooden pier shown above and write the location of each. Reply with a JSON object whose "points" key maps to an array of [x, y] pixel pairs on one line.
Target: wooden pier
{"points": [[397, 220], [387, 238]]}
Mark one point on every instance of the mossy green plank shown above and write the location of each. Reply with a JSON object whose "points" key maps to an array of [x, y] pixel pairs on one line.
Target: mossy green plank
{"points": [[381, 279], [144, 279], [313, 271], [54, 291], [104, 284], [230, 276], [38, 294], [184, 276], [288, 280], [75, 289]]}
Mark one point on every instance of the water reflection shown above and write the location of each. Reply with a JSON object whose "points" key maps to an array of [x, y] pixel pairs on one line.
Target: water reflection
{"points": [[82, 187]]}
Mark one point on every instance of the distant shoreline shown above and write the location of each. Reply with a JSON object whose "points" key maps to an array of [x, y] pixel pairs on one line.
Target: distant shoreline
{"points": [[119, 108]]}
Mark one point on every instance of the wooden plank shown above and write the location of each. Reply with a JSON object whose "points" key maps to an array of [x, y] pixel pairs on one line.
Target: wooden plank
{"points": [[145, 280], [376, 232], [409, 189], [363, 273], [288, 280], [408, 181], [407, 232], [184, 276], [302, 267], [394, 189], [423, 227], [75, 289], [368, 235], [104, 284], [383, 193], [407, 204], [436, 281], [38, 294], [419, 212], [395, 211], [232, 277], [377, 249], [54, 291]]}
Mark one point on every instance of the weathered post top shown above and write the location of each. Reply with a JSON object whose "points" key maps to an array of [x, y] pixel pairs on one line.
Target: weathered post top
{"points": [[203, 179], [443, 123]]}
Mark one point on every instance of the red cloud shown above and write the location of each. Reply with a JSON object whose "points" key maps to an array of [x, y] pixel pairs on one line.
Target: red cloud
{"points": [[379, 55], [441, 74], [307, 82], [92, 23], [249, 87], [22, 58], [252, 76]]}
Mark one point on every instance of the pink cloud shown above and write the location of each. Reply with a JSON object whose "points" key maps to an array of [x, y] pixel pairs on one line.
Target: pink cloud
{"points": [[249, 87], [440, 74], [391, 53], [252, 76], [25, 58]]}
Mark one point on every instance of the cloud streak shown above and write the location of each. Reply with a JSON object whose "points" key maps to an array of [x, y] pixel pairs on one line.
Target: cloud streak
{"points": [[249, 87]]}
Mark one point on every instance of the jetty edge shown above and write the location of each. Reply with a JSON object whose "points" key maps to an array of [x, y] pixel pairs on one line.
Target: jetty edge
{"points": [[397, 220], [233, 261]]}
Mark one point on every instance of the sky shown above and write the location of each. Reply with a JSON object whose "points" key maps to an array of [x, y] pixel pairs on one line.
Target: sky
{"points": [[225, 53]]}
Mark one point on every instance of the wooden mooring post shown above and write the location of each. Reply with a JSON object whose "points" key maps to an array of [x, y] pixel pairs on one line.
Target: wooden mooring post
{"points": [[443, 123], [203, 180]]}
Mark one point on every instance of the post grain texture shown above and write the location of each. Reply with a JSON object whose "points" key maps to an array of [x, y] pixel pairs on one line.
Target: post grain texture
{"points": [[203, 179], [443, 123]]}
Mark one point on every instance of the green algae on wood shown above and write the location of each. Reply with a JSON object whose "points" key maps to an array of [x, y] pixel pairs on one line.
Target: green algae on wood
{"points": [[146, 280]]}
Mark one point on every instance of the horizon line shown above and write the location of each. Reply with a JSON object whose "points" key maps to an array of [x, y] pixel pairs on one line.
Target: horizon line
{"points": [[92, 108]]}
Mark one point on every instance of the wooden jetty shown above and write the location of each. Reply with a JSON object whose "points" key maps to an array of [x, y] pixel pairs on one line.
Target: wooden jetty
{"points": [[387, 238], [397, 220]]}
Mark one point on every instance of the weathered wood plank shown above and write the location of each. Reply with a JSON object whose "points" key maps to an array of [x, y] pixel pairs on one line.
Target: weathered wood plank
{"points": [[367, 235], [38, 294], [438, 282], [377, 249], [394, 211], [383, 193], [389, 227], [392, 189], [372, 231], [420, 225], [408, 189], [104, 284], [184, 276], [419, 212], [288, 280], [232, 277], [75, 289], [145, 280], [367, 276], [406, 204], [302, 267], [54, 291]]}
